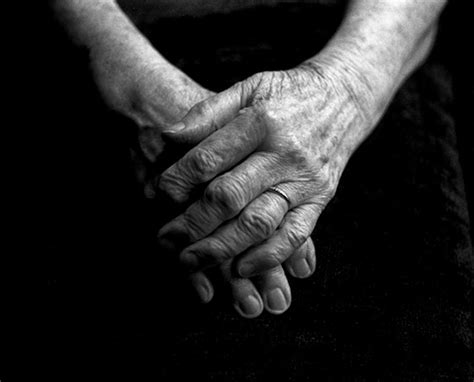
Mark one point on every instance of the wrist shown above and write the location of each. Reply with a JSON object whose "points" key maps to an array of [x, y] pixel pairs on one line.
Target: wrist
{"points": [[378, 46], [353, 87]]}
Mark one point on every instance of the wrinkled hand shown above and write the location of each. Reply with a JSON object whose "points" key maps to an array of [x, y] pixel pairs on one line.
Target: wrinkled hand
{"points": [[292, 129], [132, 83]]}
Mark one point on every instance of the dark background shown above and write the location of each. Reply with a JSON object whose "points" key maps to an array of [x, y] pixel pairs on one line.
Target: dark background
{"points": [[89, 297]]}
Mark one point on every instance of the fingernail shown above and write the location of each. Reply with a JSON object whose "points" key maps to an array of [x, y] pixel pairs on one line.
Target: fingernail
{"points": [[175, 128], [247, 270], [276, 300], [190, 260], [249, 307], [203, 292], [301, 268]]}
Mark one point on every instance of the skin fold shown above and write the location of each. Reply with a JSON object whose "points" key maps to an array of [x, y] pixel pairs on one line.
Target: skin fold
{"points": [[294, 129]]}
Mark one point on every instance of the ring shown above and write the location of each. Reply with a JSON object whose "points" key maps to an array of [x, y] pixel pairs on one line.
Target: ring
{"points": [[277, 191]]}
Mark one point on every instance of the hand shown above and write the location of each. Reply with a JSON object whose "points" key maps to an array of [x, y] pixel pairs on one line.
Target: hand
{"points": [[294, 129], [132, 83]]}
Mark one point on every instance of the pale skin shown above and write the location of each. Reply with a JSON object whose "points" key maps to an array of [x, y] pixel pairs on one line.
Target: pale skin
{"points": [[294, 129]]}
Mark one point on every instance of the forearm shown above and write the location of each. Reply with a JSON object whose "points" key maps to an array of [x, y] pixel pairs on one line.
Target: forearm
{"points": [[133, 77], [379, 44], [100, 25]]}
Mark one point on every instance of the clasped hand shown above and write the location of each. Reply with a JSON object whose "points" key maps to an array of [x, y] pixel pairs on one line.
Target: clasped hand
{"points": [[271, 151], [267, 154]]}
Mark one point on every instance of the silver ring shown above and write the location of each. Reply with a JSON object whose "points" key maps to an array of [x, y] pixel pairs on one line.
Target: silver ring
{"points": [[277, 191]]}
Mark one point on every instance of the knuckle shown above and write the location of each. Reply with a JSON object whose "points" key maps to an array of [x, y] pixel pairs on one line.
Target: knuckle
{"points": [[257, 224], [226, 196], [203, 164], [296, 237]]}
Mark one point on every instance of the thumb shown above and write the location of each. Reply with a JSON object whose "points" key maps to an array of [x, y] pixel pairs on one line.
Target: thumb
{"points": [[206, 117]]}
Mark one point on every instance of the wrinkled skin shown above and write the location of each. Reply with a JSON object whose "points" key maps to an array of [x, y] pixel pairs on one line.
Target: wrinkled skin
{"points": [[132, 85], [292, 129], [295, 129]]}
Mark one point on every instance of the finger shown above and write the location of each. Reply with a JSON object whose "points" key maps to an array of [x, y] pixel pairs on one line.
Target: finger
{"points": [[256, 223], [302, 263], [246, 299], [203, 286], [293, 232], [224, 198], [206, 117], [216, 154], [275, 290]]}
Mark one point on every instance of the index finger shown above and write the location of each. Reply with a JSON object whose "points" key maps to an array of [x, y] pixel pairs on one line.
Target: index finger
{"points": [[216, 154]]}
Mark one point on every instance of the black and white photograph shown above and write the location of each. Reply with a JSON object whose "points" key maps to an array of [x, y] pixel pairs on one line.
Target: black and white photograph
{"points": [[243, 190]]}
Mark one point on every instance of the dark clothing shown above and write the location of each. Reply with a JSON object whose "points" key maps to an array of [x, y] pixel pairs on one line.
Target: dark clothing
{"points": [[392, 297]]}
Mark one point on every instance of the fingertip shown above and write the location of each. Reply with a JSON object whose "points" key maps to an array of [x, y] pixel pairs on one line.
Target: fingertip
{"points": [[300, 269], [247, 301], [246, 270], [203, 287], [302, 263], [173, 237], [276, 301], [190, 260], [176, 128], [275, 290], [205, 294], [250, 306]]}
